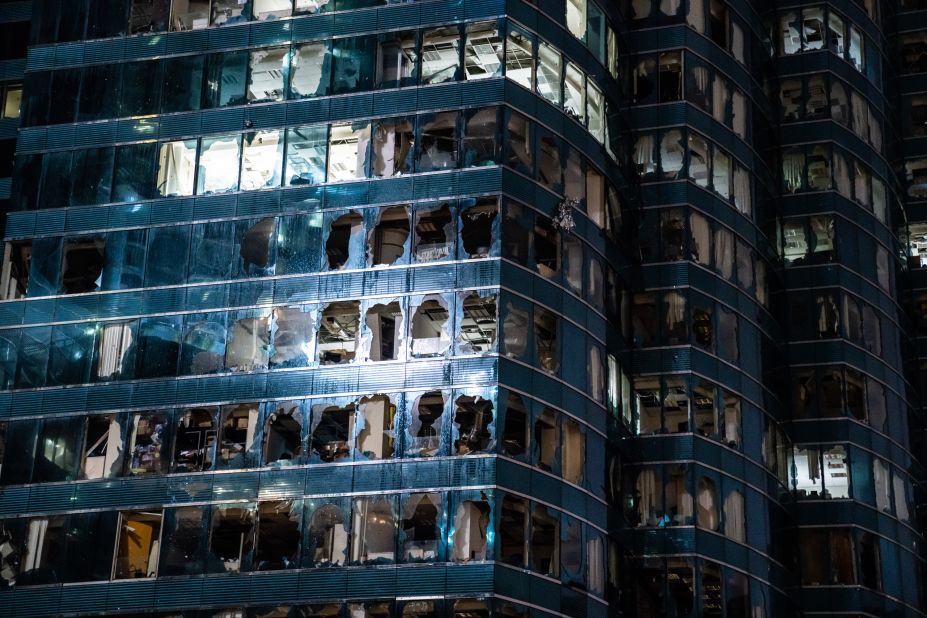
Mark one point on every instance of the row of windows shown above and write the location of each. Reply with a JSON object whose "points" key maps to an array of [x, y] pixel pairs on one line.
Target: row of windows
{"points": [[680, 586], [662, 496], [693, 236], [825, 167], [816, 28], [298, 432], [344, 331], [70, 20], [809, 98], [240, 249], [304, 533], [699, 407], [658, 78], [686, 317], [447, 607], [830, 314], [712, 18], [683, 153], [816, 240], [471, 51], [824, 472], [833, 391], [382, 148], [588, 23]]}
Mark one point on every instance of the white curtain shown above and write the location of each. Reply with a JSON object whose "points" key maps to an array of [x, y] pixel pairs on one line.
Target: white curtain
{"points": [[734, 516]]}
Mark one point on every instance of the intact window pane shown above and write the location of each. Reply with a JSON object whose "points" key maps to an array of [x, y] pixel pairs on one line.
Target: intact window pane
{"points": [[141, 88], [261, 160], [595, 108], [440, 55], [149, 16], [218, 164], [438, 145], [99, 94], [92, 173], [480, 142], [354, 64], [305, 155], [133, 177], [183, 83], [226, 73]]}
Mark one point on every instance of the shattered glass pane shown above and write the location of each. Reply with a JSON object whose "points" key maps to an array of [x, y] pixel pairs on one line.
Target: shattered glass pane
{"points": [[393, 147], [430, 329], [338, 330], [474, 425], [425, 429], [483, 54], [310, 69], [262, 160], [306, 150], [347, 151], [433, 233], [440, 55], [218, 165]]}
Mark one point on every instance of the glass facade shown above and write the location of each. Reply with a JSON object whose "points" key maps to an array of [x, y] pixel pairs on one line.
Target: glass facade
{"points": [[462, 308]]}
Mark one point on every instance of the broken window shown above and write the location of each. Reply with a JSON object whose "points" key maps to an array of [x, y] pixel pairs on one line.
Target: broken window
{"points": [[267, 70], [470, 532], [473, 425], [147, 447], [519, 58], [231, 538], [373, 531], [266, 10], [204, 343], [256, 246], [195, 441], [707, 504], [422, 516], [572, 452], [332, 431], [574, 93], [483, 53], [278, 535], [434, 233], [819, 174], [672, 155], [283, 442], [595, 111], [513, 528], [550, 169], [137, 545], [149, 16], [338, 329], [393, 147], [550, 69], [347, 151], [856, 57], [546, 339], [218, 165], [82, 264], [477, 234], [398, 59], [478, 324], [387, 240], [426, 427], [545, 541], [262, 160], [438, 145], [248, 343], [14, 280], [344, 236], [430, 328], [375, 431], [515, 437], [546, 439], [189, 14], [309, 70], [102, 455], [236, 440], [440, 55], [328, 534], [384, 328]]}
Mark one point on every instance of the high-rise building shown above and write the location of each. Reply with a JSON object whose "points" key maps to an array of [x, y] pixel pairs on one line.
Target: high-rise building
{"points": [[460, 308]]}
